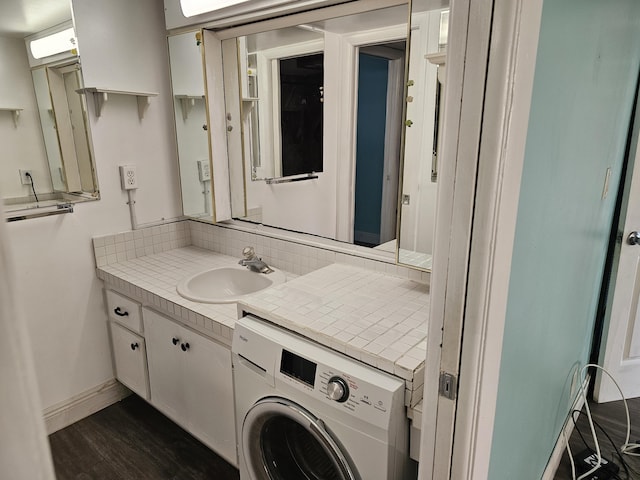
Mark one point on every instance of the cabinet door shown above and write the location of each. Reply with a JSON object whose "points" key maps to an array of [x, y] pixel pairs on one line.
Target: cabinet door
{"points": [[130, 359], [165, 357], [209, 394]]}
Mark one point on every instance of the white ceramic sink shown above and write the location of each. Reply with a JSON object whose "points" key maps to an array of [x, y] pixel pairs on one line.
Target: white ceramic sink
{"points": [[226, 284]]}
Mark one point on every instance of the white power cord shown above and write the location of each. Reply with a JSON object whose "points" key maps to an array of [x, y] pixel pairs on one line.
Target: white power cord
{"points": [[132, 209], [625, 448]]}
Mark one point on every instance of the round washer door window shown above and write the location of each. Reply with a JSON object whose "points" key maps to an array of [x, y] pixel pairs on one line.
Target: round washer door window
{"points": [[283, 441]]}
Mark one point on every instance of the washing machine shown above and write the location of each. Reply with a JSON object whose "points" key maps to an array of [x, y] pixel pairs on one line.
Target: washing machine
{"points": [[304, 411]]}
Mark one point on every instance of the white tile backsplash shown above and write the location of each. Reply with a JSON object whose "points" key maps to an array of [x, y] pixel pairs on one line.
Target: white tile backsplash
{"points": [[294, 255], [120, 247]]}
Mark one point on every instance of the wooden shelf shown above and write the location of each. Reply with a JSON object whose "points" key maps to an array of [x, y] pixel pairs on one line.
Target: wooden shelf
{"points": [[187, 102], [15, 113], [439, 58], [101, 95]]}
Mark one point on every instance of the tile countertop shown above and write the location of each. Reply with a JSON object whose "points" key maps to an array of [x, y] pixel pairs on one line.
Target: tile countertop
{"points": [[152, 280], [376, 318]]}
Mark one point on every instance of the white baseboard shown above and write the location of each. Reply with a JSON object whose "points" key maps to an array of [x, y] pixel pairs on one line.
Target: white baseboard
{"points": [[84, 404], [565, 434]]}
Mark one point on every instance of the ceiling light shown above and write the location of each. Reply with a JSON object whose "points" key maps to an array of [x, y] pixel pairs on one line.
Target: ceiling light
{"points": [[196, 7], [63, 41]]}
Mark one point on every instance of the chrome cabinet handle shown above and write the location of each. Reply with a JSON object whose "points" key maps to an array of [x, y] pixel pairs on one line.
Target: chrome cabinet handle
{"points": [[633, 238], [120, 313]]}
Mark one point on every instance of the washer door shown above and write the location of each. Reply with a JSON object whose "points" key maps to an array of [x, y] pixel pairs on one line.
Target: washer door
{"points": [[283, 441]]}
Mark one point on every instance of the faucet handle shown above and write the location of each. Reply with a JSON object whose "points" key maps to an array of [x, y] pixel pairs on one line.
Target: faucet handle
{"points": [[248, 252]]}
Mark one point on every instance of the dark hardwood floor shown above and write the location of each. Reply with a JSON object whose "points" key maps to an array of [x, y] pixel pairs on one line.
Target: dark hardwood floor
{"points": [[132, 440], [612, 418]]}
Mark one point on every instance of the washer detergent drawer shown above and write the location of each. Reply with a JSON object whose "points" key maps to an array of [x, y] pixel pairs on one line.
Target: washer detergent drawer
{"points": [[261, 360]]}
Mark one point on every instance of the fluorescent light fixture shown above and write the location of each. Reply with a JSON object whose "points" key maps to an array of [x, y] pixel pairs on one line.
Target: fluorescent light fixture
{"points": [[196, 7], [63, 41]]}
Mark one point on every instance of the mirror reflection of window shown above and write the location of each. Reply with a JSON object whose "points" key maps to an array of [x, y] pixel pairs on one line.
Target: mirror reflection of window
{"points": [[282, 89], [301, 97]]}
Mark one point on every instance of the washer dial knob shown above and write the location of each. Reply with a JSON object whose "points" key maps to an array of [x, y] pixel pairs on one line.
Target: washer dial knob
{"points": [[337, 389]]}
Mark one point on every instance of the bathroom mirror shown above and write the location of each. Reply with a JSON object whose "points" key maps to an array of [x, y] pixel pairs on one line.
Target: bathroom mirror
{"points": [[425, 91], [359, 107], [49, 137], [337, 82], [189, 102]]}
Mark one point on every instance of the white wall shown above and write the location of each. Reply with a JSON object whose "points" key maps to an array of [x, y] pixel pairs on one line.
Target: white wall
{"points": [[123, 46], [22, 146]]}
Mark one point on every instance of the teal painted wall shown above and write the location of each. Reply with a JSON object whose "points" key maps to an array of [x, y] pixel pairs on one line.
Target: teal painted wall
{"points": [[585, 77], [373, 78]]}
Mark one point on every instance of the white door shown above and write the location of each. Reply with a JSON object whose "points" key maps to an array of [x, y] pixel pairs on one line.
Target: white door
{"points": [[467, 57], [620, 348]]}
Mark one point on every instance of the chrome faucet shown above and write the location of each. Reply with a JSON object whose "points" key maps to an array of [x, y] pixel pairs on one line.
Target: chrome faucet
{"points": [[252, 262]]}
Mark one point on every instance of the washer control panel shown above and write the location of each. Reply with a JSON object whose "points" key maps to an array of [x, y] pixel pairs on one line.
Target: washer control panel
{"points": [[331, 377], [353, 393]]}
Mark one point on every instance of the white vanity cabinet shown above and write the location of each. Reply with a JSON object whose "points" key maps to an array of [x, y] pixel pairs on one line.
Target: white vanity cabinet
{"points": [[191, 382], [129, 351]]}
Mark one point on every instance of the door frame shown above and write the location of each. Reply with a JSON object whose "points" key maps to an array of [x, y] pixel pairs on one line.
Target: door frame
{"points": [[483, 144], [345, 135]]}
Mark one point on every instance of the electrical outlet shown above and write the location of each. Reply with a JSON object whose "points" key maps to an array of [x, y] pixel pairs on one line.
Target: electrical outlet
{"points": [[24, 178], [128, 177], [204, 172]]}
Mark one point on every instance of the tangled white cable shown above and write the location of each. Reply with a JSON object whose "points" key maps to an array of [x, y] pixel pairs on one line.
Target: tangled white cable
{"points": [[627, 448]]}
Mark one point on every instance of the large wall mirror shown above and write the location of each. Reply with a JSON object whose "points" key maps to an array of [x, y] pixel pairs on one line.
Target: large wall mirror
{"points": [[317, 105], [50, 158], [321, 107]]}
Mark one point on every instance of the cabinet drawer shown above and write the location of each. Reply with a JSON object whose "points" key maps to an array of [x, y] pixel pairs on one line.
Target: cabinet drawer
{"points": [[124, 310], [130, 358]]}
